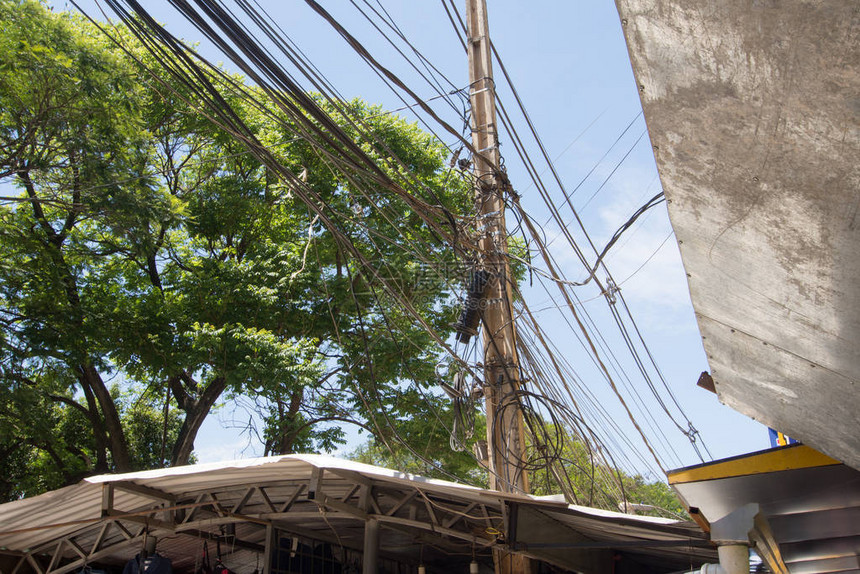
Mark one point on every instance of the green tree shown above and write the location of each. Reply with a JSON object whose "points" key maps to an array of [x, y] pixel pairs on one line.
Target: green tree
{"points": [[140, 243], [587, 479], [46, 440], [424, 426], [67, 131]]}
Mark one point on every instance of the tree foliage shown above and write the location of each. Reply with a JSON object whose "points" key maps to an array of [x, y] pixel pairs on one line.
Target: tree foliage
{"points": [[590, 482], [426, 449], [149, 265], [150, 269]]}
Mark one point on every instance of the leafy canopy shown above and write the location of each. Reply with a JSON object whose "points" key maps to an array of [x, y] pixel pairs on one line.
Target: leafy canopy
{"points": [[150, 267]]}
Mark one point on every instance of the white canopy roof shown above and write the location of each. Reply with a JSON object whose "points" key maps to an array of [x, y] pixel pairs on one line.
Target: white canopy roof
{"points": [[103, 518]]}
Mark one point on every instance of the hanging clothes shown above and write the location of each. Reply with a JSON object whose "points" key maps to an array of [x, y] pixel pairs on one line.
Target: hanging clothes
{"points": [[152, 564]]}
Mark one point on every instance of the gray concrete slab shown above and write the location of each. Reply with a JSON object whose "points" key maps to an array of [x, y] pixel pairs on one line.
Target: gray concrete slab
{"points": [[753, 109]]}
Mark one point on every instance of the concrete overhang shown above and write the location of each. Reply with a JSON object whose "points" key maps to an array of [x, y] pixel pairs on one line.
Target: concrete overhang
{"points": [[753, 110]]}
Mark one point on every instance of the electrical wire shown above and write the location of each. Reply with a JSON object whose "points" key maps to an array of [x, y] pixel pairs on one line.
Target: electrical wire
{"points": [[338, 149]]}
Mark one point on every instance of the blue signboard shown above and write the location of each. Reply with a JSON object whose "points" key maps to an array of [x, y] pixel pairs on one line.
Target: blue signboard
{"points": [[779, 439]]}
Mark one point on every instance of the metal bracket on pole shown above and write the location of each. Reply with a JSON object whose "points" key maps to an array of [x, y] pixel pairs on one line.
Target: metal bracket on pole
{"points": [[731, 534], [734, 527]]}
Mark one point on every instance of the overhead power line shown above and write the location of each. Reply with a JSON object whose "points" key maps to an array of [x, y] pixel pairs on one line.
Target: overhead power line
{"points": [[557, 394]]}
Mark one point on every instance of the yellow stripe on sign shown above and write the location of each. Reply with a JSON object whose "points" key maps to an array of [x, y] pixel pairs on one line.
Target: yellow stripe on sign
{"points": [[782, 458]]}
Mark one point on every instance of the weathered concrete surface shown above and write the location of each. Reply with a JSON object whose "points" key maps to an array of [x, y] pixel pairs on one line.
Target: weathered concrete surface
{"points": [[754, 113]]}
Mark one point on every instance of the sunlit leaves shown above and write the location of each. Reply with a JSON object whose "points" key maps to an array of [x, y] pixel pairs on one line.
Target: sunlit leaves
{"points": [[144, 245]]}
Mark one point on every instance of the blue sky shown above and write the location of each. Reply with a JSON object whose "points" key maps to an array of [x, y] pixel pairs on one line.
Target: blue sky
{"points": [[570, 65]]}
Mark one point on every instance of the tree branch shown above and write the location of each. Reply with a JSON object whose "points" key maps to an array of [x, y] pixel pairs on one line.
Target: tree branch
{"points": [[76, 197], [182, 398], [38, 212], [194, 416]]}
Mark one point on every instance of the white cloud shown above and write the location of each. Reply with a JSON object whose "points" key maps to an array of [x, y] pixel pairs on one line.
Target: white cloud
{"points": [[645, 262]]}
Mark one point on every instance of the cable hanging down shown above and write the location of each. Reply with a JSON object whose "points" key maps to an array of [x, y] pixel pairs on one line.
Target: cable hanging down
{"points": [[558, 399]]}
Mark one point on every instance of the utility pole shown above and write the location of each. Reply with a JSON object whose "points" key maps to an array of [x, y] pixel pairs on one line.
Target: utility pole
{"points": [[505, 435]]}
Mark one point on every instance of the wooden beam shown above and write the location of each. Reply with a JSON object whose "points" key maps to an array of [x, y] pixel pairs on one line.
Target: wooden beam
{"points": [[513, 518], [458, 515], [271, 546], [486, 514], [146, 491], [35, 564], [77, 548], [216, 504], [235, 543], [302, 515], [100, 537], [293, 498], [244, 500], [78, 564], [429, 507], [315, 483], [699, 519], [266, 499], [208, 522], [766, 546], [145, 521], [371, 546], [483, 540], [58, 551], [350, 475], [374, 505], [329, 502], [401, 502], [351, 492], [194, 510], [107, 498]]}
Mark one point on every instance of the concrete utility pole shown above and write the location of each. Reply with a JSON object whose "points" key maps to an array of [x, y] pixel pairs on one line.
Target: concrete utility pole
{"points": [[505, 436]]}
